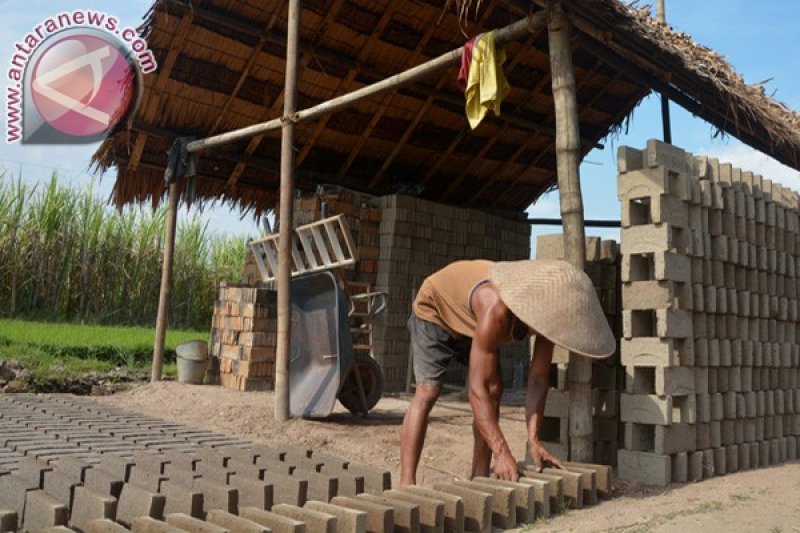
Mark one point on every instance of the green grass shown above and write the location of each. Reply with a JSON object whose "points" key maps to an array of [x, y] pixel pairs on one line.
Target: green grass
{"points": [[60, 334], [53, 352]]}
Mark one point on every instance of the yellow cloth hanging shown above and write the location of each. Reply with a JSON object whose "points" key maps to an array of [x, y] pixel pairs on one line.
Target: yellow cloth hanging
{"points": [[487, 85]]}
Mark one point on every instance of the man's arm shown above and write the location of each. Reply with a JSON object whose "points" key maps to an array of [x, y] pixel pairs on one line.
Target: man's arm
{"points": [[538, 384], [493, 321]]}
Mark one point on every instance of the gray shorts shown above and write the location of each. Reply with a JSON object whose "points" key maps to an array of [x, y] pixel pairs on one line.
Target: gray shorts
{"points": [[432, 349]]}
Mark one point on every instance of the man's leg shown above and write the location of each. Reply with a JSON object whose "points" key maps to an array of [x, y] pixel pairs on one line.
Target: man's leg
{"points": [[412, 435], [481, 452]]}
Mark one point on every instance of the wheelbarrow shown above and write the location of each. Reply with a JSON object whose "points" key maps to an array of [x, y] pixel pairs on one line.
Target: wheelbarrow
{"points": [[323, 366]]}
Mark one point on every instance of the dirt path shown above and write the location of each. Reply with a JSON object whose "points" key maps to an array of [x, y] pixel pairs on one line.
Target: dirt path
{"points": [[766, 500]]}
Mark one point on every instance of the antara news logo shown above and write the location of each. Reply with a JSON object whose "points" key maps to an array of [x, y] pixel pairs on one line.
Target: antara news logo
{"points": [[73, 78]]}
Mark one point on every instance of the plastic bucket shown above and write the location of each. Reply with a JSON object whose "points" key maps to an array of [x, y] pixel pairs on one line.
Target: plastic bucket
{"points": [[192, 361]]}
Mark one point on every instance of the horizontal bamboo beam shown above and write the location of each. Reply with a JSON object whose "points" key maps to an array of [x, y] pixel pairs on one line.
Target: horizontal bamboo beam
{"points": [[449, 59]]}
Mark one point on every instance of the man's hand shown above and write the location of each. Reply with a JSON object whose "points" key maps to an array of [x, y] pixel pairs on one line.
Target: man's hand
{"points": [[542, 458], [505, 467]]}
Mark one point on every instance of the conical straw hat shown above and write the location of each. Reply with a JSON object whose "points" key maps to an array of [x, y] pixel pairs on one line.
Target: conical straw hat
{"points": [[558, 301]]}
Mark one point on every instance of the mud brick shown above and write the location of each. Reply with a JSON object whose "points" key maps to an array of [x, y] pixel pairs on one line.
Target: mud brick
{"points": [[656, 295], [646, 409], [316, 521], [275, 522], [680, 467], [263, 464], [744, 456], [146, 524], [650, 182], [670, 381], [43, 511], [34, 471], [349, 484], [61, 486], [763, 454], [647, 468], [652, 209], [89, 507], [720, 461], [252, 492], [188, 523], [103, 482], [13, 490], [181, 498], [217, 496], [529, 495], [146, 479], [654, 239], [406, 515], [105, 526], [287, 489], [431, 511], [230, 522], [665, 323], [347, 520], [732, 459], [453, 506], [246, 455], [651, 351], [72, 467], [150, 461], [135, 502], [179, 460], [375, 479], [320, 486], [215, 457], [213, 473], [656, 266], [380, 517]]}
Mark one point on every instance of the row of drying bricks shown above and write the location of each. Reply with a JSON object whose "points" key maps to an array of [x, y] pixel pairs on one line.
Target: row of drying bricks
{"points": [[229, 490], [115, 473]]}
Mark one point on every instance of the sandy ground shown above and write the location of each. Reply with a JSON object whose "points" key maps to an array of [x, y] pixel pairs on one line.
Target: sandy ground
{"points": [[766, 500]]}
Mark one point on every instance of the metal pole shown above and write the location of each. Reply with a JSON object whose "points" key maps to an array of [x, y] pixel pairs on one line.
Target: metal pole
{"points": [[665, 118], [286, 215], [166, 284]]}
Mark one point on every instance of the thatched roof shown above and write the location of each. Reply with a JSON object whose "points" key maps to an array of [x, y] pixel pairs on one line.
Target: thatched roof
{"points": [[221, 67]]}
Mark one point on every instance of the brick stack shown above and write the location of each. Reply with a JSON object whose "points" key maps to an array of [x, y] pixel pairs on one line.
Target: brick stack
{"points": [[710, 316], [243, 337], [362, 216], [418, 237], [602, 266]]}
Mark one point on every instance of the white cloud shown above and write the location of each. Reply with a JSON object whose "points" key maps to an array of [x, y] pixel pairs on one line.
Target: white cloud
{"points": [[746, 158]]}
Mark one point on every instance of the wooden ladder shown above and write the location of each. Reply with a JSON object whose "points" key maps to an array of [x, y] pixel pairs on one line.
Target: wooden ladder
{"points": [[322, 245]]}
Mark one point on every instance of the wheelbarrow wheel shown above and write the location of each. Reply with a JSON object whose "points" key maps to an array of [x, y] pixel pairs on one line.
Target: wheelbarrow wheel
{"points": [[371, 379]]}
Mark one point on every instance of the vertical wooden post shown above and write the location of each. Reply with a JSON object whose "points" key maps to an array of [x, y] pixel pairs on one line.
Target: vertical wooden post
{"points": [[569, 190], [666, 122], [286, 216], [164, 295]]}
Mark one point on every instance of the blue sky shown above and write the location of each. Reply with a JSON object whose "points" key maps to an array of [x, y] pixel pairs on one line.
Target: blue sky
{"points": [[760, 41]]}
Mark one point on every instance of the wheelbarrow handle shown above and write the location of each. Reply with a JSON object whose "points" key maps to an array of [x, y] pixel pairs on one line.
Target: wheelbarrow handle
{"points": [[378, 302]]}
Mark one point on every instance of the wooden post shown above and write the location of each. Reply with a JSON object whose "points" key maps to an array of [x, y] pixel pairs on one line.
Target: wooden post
{"points": [[569, 187], [286, 215], [666, 122], [165, 293]]}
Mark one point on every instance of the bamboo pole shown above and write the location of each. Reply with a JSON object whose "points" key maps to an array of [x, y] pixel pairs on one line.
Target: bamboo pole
{"points": [[666, 122], [449, 59], [569, 187], [166, 284], [286, 215]]}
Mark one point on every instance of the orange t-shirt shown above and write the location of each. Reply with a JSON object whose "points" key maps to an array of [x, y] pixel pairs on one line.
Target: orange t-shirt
{"points": [[444, 297]]}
